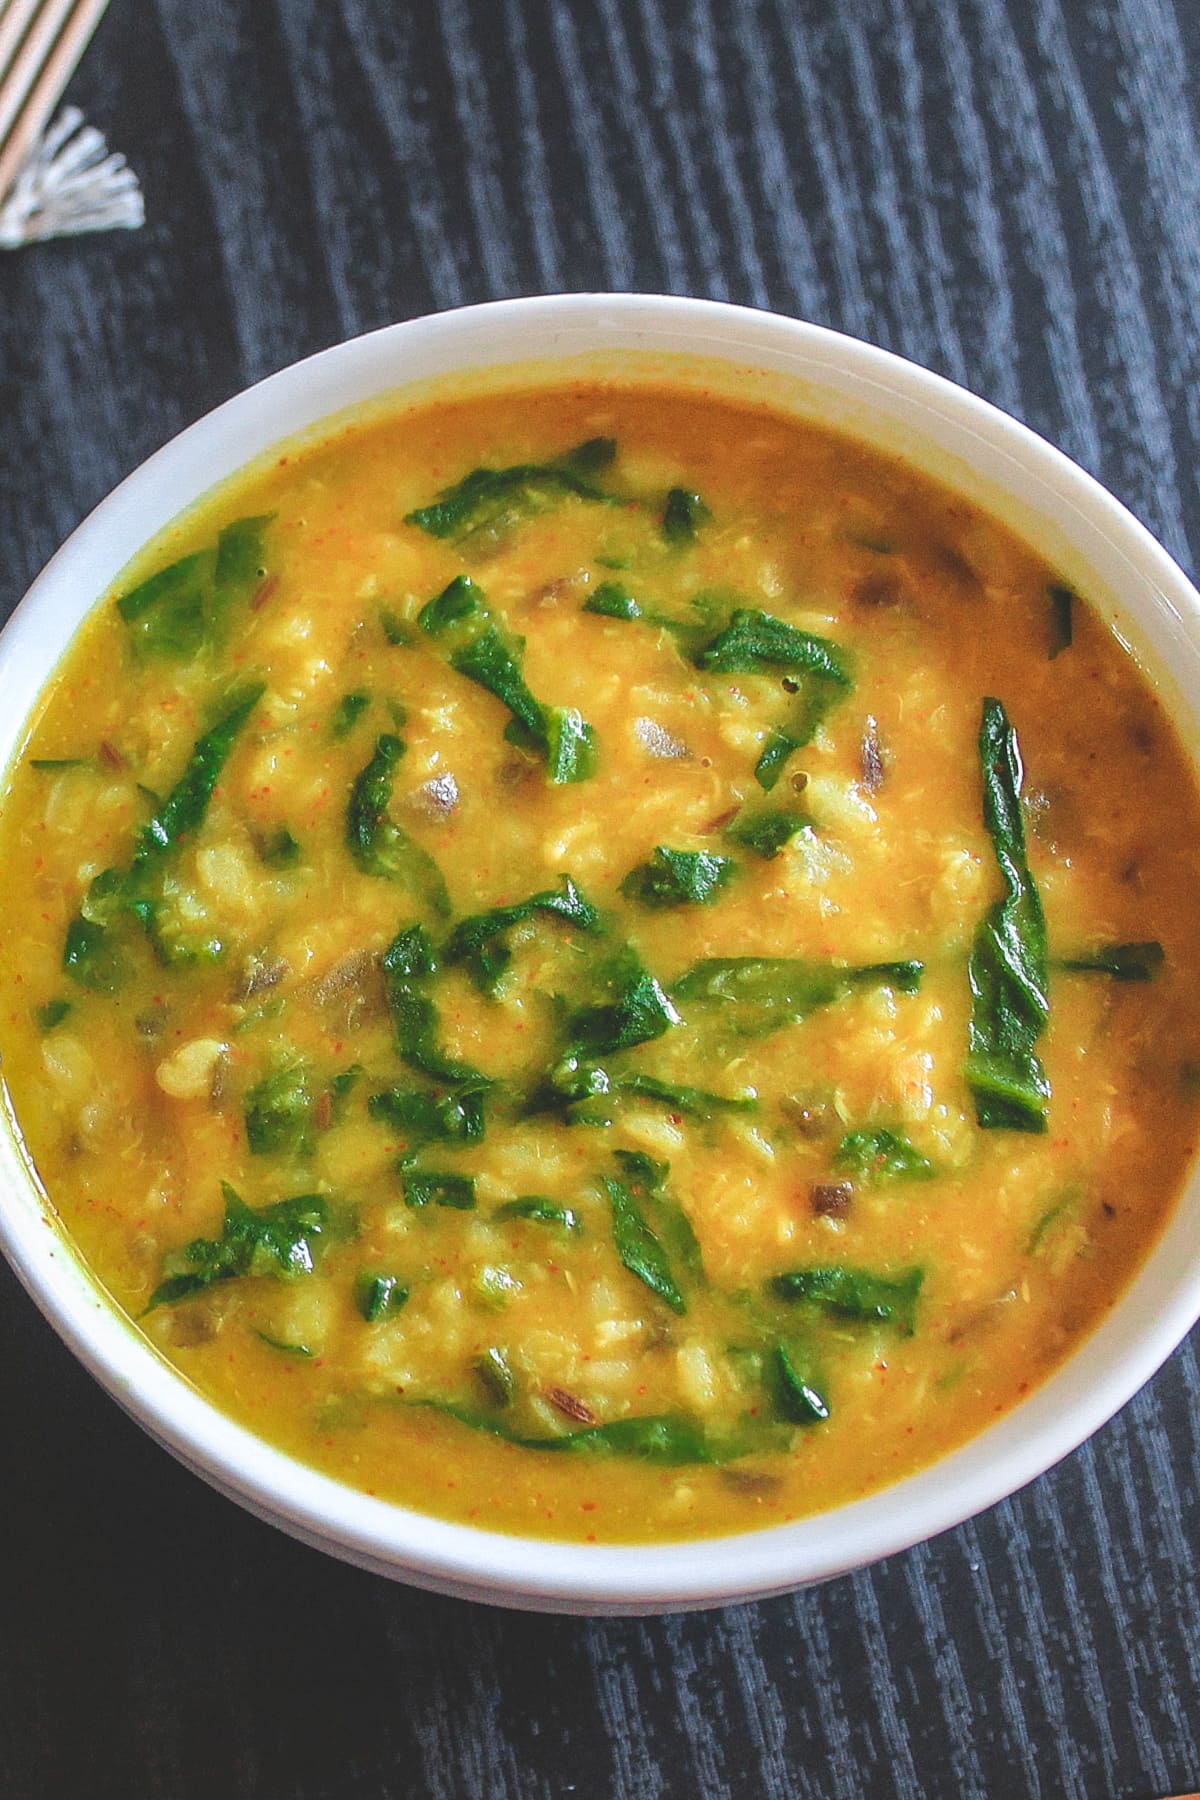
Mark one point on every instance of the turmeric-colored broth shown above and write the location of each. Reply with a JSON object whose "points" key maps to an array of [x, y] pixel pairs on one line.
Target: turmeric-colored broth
{"points": [[217, 1011]]}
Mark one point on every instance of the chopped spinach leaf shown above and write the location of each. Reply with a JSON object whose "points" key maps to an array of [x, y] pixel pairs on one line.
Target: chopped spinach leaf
{"points": [[169, 614], [52, 1014], [591, 457], [91, 958], [481, 651], [283, 1239], [282, 1344], [776, 752], [241, 562], [494, 1374], [766, 832], [612, 601], [684, 513], [855, 1294], [408, 963], [51, 764], [456, 1117], [694, 1102], [1124, 962], [755, 642], [541, 1211], [633, 1010], [762, 994], [678, 878], [180, 610], [1062, 606], [278, 1112], [347, 713], [796, 1391], [376, 1296], [396, 630], [279, 849], [184, 809], [882, 1155], [423, 1187], [1008, 968], [487, 503], [381, 847], [637, 1246], [669, 1438], [480, 941]]}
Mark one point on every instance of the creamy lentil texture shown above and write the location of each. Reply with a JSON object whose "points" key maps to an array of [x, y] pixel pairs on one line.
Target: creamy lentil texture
{"points": [[602, 962]]}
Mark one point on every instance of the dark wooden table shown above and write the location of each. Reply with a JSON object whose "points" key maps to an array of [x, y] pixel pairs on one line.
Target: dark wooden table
{"points": [[1006, 190]]}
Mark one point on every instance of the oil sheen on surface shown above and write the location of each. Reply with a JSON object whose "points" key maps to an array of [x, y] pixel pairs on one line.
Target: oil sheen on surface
{"points": [[539, 1181]]}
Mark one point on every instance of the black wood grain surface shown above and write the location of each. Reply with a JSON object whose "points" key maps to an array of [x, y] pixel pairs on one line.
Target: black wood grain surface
{"points": [[1005, 190]]}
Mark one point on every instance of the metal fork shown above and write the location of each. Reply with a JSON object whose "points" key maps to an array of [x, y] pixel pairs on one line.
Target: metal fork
{"points": [[41, 41]]}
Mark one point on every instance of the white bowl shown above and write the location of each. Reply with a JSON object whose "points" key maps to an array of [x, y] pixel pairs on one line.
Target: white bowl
{"points": [[1099, 548]]}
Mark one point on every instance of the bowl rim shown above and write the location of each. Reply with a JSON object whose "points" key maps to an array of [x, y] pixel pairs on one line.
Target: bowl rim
{"points": [[1133, 1339]]}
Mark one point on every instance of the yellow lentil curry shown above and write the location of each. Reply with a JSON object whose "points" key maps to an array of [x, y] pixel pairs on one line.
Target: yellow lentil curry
{"points": [[603, 962]]}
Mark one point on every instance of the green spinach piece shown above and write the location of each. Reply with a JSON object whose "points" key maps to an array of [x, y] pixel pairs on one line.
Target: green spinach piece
{"points": [[1124, 962], [279, 849], [481, 651], [456, 1117], [668, 1438], [494, 1374], [882, 1155], [90, 956], [180, 610], [541, 1211], [423, 1187], [377, 1296], [346, 714], [1062, 607], [760, 995], [755, 643], [50, 765], [678, 878], [767, 831], [396, 630], [636, 1244], [489, 502], [278, 1112], [1009, 967], [408, 963], [283, 1239], [855, 1294], [684, 513], [480, 940], [52, 1014], [633, 1009], [381, 847], [797, 1392]]}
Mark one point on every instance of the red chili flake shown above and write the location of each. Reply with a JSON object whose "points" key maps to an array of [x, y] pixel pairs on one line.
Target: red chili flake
{"points": [[570, 1405], [721, 821], [263, 592], [110, 756], [830, 1199], [323, 1111]]}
